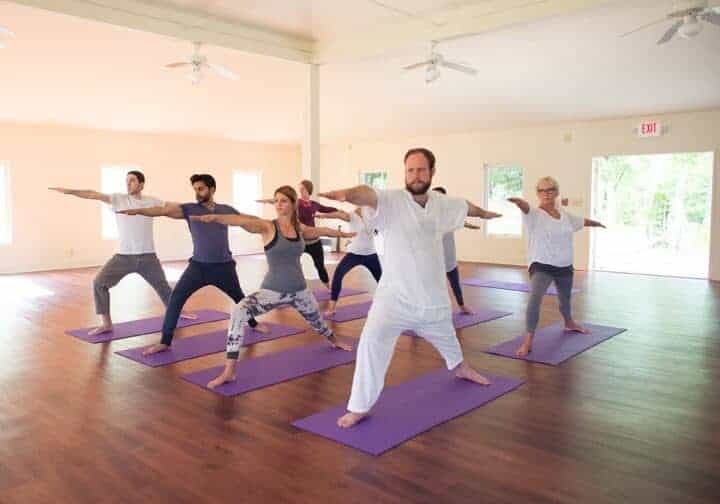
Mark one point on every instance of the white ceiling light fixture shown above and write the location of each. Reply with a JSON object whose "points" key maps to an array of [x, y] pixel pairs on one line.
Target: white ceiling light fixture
{"points": [[690, 16], [199, 64], [436, 60], [5, 33]]}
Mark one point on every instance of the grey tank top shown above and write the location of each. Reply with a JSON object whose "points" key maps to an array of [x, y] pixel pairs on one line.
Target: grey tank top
{"points": [[283, 256]]}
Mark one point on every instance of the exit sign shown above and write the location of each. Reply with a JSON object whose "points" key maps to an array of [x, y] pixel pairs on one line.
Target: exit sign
{"points": [[650, 129]]}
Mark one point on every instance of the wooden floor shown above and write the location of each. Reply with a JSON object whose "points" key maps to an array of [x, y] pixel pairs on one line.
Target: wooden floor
{"points": [[635, 419]]}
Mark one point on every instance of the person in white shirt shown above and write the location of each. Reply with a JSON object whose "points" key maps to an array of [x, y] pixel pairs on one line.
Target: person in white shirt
{"points": [[411, 294], [136, 247], [549, 231], [451, 265], [360, 252]]}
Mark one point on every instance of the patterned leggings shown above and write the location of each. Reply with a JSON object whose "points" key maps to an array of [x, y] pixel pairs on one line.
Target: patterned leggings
{"points": [[265, 300]]}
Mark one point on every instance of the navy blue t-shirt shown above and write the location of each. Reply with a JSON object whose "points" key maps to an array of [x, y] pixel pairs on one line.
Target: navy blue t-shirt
{"points": [[210, 240]]}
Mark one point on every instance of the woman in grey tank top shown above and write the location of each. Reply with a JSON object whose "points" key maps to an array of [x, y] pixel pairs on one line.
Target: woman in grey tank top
{"points": [[284, 284]]}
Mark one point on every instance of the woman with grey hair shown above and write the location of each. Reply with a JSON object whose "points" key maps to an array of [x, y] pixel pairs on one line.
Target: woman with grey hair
{"points": [[550, 255]]}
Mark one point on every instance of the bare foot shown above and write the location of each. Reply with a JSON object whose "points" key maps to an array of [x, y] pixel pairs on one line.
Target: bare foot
{"points": [[341, 344], [466, 372], [466, 310], [331, 309], [526, 346], [573, 326], [349, 419], [100, 330], [328, 314], [189, 315], [262, 328], [155, 349], [223, 378]]}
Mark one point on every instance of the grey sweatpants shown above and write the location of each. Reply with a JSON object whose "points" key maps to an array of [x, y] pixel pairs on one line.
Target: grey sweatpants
{"points": [[146, 265], [539, 283]]}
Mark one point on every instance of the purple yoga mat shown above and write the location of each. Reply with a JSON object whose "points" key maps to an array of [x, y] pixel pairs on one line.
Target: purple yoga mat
{"points": [[461, 320], [322, 294], [145, 326], [350, 312], [275, 368], [204, 344], [514, 286], [553, 346], [409, 409]]}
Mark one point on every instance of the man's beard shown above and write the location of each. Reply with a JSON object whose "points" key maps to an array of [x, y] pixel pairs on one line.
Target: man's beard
{"points": [[202, 199], [418, 192]]}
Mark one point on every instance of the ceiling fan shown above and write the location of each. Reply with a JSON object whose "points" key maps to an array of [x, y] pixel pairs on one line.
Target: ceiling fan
{"points": [[689, 17], [199, 64], [435, 61], [5, 32]]}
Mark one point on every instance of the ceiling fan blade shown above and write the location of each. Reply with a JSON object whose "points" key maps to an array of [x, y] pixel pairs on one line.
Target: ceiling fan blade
{"points": [[460, 68], [671, 32], [712, 18], [177, 64], [417, 65], [223, 71], [643, 27]]}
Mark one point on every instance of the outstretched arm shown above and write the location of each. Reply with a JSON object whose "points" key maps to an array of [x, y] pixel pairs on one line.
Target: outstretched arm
{"points": [[249, 223], [339, 214], [476, 211], [361, 195], [83, 193], [171, 210], [267, 200], [523, 205], [593, 223], [313, 233], [471, 226]]}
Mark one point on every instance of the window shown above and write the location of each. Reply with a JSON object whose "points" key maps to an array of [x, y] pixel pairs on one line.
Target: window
{"points": [[377, 180], [5, 215], [247, 187], [112, 180], [502, 182]]}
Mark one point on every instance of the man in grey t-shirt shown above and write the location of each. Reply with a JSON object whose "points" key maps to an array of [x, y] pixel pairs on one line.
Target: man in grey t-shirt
{"points": [[211, 263]]}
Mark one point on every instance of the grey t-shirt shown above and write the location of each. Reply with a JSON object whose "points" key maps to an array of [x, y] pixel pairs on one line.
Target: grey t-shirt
{"points": [[210, 240]]}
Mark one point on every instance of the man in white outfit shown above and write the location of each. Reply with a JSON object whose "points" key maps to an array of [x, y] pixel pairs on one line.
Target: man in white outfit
{"points": [[411, 294]]}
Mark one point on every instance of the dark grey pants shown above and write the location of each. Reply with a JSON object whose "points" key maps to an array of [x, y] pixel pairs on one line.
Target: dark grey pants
{"points": [[539, 283], [120, 265]]}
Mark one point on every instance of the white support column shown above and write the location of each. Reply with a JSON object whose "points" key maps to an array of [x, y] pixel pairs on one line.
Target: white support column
{"points": [[311, 139], [714, 270]]}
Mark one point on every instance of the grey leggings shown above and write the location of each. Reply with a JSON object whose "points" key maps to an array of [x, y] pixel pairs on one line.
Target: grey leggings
{"points": [[146, 265], [539, 283]]}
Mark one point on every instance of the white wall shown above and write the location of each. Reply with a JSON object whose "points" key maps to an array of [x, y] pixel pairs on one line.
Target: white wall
{"points": [[53, 231], [539, 150]]}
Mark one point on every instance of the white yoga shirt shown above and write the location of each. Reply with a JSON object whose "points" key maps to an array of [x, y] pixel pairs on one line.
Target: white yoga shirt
{"points": [[550, 240], [362, 243], [413, 260], [135, 232], [449, 251]]}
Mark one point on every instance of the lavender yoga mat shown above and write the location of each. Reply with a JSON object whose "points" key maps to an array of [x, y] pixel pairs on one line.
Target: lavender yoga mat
{"points": [[204, 344], [514, 286], [145, 326], [553, 346], [409, 409], [351, 312], [322, 294], [275, 368], [461, 320]]}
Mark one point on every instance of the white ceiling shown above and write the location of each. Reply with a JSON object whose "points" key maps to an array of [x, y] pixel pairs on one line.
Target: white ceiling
{"points": [[62, 69]]}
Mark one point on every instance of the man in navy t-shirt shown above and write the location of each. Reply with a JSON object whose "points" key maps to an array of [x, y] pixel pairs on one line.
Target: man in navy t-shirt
{"points": [[211, 263]]}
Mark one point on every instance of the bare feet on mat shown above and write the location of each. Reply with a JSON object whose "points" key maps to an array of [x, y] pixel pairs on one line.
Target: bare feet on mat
{"points": [[262, 328], [466, 372], [466, 310], [526, 347], [188, 315], [225, 377], [331, 309], [101, 329], [572, 326], [349, 419], [155, 349], [341, 344]]}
